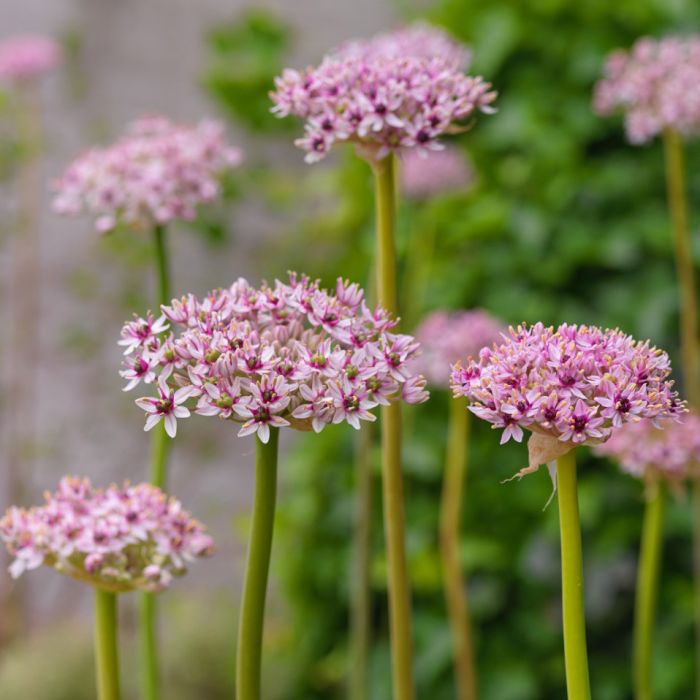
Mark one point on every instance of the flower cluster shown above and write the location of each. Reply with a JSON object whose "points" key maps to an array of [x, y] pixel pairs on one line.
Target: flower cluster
{"points": [[27, 57], [424, 174], [402, 90], [446, 337], [669, 452], [572, 385], [288, 355], [656, 84], [118, 539], [157, 173]]}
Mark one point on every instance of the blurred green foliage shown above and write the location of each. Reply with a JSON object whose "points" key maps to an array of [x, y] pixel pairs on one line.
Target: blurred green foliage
{"points": [[565, 222]]}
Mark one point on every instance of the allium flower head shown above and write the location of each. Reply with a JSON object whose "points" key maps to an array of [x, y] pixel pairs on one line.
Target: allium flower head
{"points": [[426, 174], [569, 386], [400, 90], [27, 57], [159, 172], [656, 84], [445, 337], [669, 451], [291, 355], [118, 539]]}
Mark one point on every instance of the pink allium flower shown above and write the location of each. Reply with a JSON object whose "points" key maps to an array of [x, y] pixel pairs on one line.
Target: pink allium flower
{"points": [[118, 539], [568, 386], [668, 452], [288, 355], [656, 84], [401, 90], [159, 172], [27, 57], [445, 337]]}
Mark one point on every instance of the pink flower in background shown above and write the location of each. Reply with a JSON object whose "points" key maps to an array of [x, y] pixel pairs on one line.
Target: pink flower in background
{"points": [[118, 539], [656, 84], [287, 355], [445, 337], [27, 57], [572, 385], [419, 40], [159, 172], [395, 91], [668, 452], [426, 174]]}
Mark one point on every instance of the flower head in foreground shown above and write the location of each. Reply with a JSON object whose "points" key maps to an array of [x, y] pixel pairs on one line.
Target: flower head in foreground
{"points": [[27, 57], [399, 90], [118, 539], [446, 337], [159, 172], [656, 84], [669, 452], [426, 174], [291, 355], [569, 386]]}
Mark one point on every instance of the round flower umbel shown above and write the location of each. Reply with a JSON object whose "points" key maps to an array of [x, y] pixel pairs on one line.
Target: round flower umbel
{"points": [[159, 172], [384, 94], [28, 57], [117, 539], [569, 386], [291, 355], [656, 84], [433, 173], [669, 451], [446, 336]]}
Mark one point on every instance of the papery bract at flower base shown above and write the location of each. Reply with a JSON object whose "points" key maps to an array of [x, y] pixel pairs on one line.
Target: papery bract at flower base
{"points": [[290, 355], [655, 84], [384, 94], [158, 173], [669, 451], [445, 337], [27, 57], [118, 539], [572, 385]]}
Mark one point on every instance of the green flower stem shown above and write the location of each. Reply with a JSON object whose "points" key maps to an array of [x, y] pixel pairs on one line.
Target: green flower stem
{"points": [[392, 477], [647, 587], [362, 589], [575, 653], [252, 613], [106, 652], [454, 582], [678, 206], [159, 465]]}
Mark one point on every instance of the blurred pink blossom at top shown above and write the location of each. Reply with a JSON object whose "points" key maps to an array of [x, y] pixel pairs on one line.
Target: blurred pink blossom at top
{"points": [[426, 174], [157, 173], [24, 57], [656, 84], [447, 337]]}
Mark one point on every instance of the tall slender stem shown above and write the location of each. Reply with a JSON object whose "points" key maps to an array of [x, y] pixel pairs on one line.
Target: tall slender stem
{"points": [[252, 614], [575, 653], [647, 587], [685, 270], [159, 464], [106, 652], [392, 477], [454, 581], [362, 588]]}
